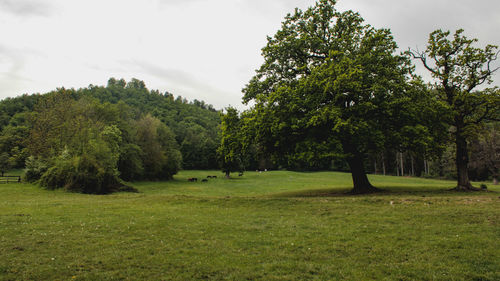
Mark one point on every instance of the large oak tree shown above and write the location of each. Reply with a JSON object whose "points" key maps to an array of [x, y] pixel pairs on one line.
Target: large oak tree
{"points": [[459, 68], [328, 80]]}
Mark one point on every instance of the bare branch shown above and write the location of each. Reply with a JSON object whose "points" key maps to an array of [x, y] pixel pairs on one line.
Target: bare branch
{"points": [[482, 79], [421, 56]]}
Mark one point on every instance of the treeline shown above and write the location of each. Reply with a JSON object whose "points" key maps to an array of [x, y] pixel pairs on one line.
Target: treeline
{"points": [[90, 139]]}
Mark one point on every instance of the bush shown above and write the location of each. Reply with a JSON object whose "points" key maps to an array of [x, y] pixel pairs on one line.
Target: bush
{"points": [[82, 174], [90, 177], [35, 168], [58, 175]]}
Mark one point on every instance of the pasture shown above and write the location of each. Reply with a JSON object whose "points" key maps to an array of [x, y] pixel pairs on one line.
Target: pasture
{"points": [[262, 226]]}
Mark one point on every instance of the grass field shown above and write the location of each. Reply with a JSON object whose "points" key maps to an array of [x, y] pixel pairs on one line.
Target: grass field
{"points": [[262, 226]]}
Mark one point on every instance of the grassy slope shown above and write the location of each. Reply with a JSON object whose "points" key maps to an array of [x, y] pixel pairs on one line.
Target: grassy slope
{"points": [[269, 226]]}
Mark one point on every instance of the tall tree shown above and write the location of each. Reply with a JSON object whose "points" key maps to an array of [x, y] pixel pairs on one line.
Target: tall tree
{"points": [[160, 155], [50, 122], [230, 149], [330, 79], [459, 68]]}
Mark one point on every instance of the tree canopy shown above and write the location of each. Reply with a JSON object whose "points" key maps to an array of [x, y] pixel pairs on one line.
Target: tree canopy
{"points": [[328, 81], [231, 147], [459, 68]]}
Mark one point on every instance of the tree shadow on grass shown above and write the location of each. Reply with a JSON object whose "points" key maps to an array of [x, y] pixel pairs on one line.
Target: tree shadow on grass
{"points": [[383, 191], [326, 192]]}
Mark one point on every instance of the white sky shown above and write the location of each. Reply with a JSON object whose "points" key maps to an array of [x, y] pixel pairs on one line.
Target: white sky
{"points": [[203, 49]]}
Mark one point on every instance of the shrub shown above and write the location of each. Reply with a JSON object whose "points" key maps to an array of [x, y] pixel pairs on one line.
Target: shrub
{"points": [[58, 175], [82, 174], [91, 171], [35, 168], [91, 177]]}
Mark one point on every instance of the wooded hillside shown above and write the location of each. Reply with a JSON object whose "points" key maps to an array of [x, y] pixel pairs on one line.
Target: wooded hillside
{"points": [[123, 129]]}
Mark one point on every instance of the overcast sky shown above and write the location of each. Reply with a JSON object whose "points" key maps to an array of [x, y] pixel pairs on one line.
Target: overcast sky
{"points": [[203, 49]]}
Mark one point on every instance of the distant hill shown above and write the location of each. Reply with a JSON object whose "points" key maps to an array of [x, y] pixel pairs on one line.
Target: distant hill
{"points": [[194, 123]]}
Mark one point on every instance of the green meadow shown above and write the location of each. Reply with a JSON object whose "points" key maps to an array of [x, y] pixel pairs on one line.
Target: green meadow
{"points": [[262, 226]]}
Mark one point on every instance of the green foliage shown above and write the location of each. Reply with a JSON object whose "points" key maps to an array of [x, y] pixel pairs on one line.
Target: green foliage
{"points": [[459, 68], [5, 164], [11, 107], [94, 170], [130, 162], [84, 174], [198, 148], [329, 79], [231, 147], [26, 123], [194, 124], [106, 134], [54, 124], [485, 153], [12, 139], [82, 142], [35, 168], [423, 117], [161, 157], [90, 176], [310, 155], [59, 175]]}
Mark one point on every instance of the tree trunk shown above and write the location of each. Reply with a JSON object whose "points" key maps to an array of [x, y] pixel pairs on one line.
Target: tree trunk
{"points": [[462, 163], [494, 175], [412, 167], [397, 164], [359, 178], [402, 165], [383, 163]]}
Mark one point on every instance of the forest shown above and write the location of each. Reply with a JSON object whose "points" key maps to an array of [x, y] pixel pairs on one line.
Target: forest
{"points": [[92, 139], [332, 94]]}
